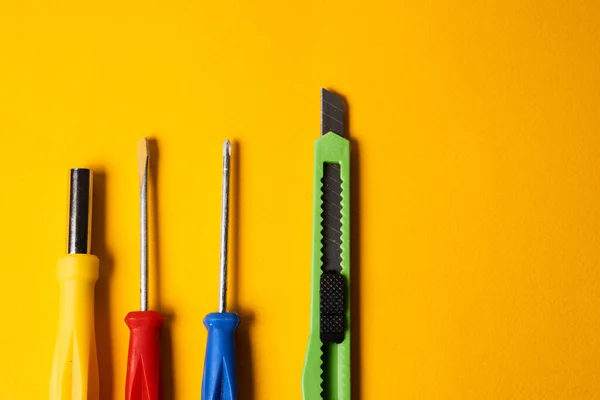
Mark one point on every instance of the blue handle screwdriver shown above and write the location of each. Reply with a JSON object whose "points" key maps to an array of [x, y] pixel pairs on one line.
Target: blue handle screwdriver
{"points": [[219, 380]]}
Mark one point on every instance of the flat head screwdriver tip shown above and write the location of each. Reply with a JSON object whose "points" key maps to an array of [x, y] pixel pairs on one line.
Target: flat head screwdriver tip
{"points": [[142, 160]]}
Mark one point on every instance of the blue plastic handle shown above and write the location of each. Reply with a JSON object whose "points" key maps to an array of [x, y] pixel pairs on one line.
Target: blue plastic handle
{"points": [[219, 382]]}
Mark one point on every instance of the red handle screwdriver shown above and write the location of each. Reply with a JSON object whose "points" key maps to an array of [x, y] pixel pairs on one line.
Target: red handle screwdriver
{"points": [[143, 363]]}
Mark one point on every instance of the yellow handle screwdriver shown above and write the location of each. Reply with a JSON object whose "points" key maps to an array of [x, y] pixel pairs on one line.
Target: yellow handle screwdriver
{"points": [[75, 367]]}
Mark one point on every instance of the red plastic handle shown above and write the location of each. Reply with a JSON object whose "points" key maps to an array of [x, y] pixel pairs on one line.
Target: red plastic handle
{"points": [[143, 363]]}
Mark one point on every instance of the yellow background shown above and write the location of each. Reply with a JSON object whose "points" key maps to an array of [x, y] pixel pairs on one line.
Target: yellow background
{"points": [[475, 128]]}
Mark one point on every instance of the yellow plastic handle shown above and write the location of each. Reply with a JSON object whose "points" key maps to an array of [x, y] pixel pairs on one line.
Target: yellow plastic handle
{"points": [[75, 366]]}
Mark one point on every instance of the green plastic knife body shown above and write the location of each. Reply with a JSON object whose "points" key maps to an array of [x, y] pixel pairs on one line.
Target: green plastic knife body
{"points": [[327, 365]]}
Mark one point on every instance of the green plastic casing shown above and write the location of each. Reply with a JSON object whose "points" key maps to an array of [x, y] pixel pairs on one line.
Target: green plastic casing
{"points": [[329, 148]]}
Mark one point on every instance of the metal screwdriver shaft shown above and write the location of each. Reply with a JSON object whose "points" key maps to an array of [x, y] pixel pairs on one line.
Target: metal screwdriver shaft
{"points": [[143, 158], [219, 380], [224, 226]]}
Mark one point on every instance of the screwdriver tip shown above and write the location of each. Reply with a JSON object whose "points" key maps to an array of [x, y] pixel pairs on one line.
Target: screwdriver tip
{"points": [[142, 159], [227, 147]]}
